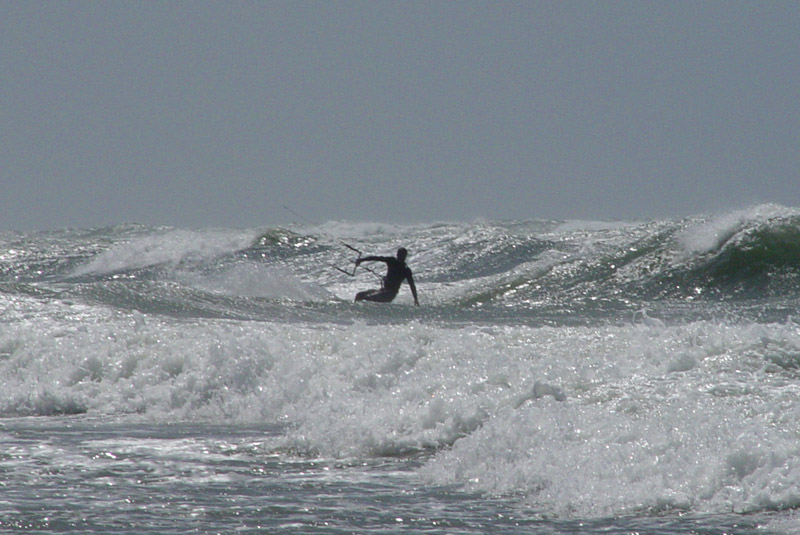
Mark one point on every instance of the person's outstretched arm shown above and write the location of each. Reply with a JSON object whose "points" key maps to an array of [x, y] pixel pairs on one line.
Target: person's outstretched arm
{"points": [[386, 259]]}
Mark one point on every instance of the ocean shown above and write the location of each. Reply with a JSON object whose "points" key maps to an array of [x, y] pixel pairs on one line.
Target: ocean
{"points": [[559, 377]]}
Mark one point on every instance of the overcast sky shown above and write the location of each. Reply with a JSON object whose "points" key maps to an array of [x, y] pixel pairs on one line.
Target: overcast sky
{"points": [[209, 114]]}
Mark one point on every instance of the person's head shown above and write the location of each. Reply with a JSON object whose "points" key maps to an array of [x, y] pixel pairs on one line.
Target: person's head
{"points": [[401, 254]]}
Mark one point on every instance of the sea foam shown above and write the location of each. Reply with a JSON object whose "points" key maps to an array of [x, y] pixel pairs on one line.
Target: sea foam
{"points": [[513, 379], [593, 421], [171, 247]]}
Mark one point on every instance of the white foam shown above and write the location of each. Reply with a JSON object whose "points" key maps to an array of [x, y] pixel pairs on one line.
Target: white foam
{"points": [[170, 248], [639, 433], [252, 279], [711, 235], [580, 421]]}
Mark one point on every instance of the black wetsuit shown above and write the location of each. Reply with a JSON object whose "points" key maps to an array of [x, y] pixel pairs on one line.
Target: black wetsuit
{"points": [[396, 272]]}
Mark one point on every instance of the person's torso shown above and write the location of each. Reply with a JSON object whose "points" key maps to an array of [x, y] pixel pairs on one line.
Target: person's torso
{"points": [[395, 274]]}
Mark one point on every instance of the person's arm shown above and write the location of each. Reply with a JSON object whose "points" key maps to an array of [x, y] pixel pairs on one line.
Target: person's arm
{"points": [[386, 259], [412, 286]]}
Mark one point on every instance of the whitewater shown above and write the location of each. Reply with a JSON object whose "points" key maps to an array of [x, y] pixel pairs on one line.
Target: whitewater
{"points": [[559, 377]]}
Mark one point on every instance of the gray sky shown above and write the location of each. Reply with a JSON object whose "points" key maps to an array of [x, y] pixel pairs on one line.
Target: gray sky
{"points": [[219, 113]]}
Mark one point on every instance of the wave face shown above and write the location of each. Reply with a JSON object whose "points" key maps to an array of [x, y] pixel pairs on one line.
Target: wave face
{"points": [[590, 368], [532, 269]]}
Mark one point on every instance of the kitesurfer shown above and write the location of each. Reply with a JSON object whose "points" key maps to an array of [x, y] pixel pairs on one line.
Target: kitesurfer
{"points": [[396, 272]]}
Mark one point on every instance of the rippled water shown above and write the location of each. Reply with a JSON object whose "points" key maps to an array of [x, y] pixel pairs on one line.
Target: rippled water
{"points": [[559, 377], [93, 475]]}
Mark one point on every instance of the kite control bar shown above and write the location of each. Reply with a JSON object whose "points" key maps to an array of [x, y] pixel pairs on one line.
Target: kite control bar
{"points": [[360, 254]]}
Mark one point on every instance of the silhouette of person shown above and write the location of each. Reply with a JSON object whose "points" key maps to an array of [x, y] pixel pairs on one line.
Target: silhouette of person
{"points": [[396, 272]]}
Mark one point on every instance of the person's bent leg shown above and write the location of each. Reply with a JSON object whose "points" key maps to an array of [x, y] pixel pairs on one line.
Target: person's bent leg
{"points": [[377, 296], [360, 296]]}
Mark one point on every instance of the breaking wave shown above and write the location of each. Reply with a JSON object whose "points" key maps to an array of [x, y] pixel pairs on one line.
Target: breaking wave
{"points": [[590, 368], [543, 267]]}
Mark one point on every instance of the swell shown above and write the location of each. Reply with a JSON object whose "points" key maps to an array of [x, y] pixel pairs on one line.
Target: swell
{"points": [[754, 258], [523, 267], [759, 258], [765, 259]]}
